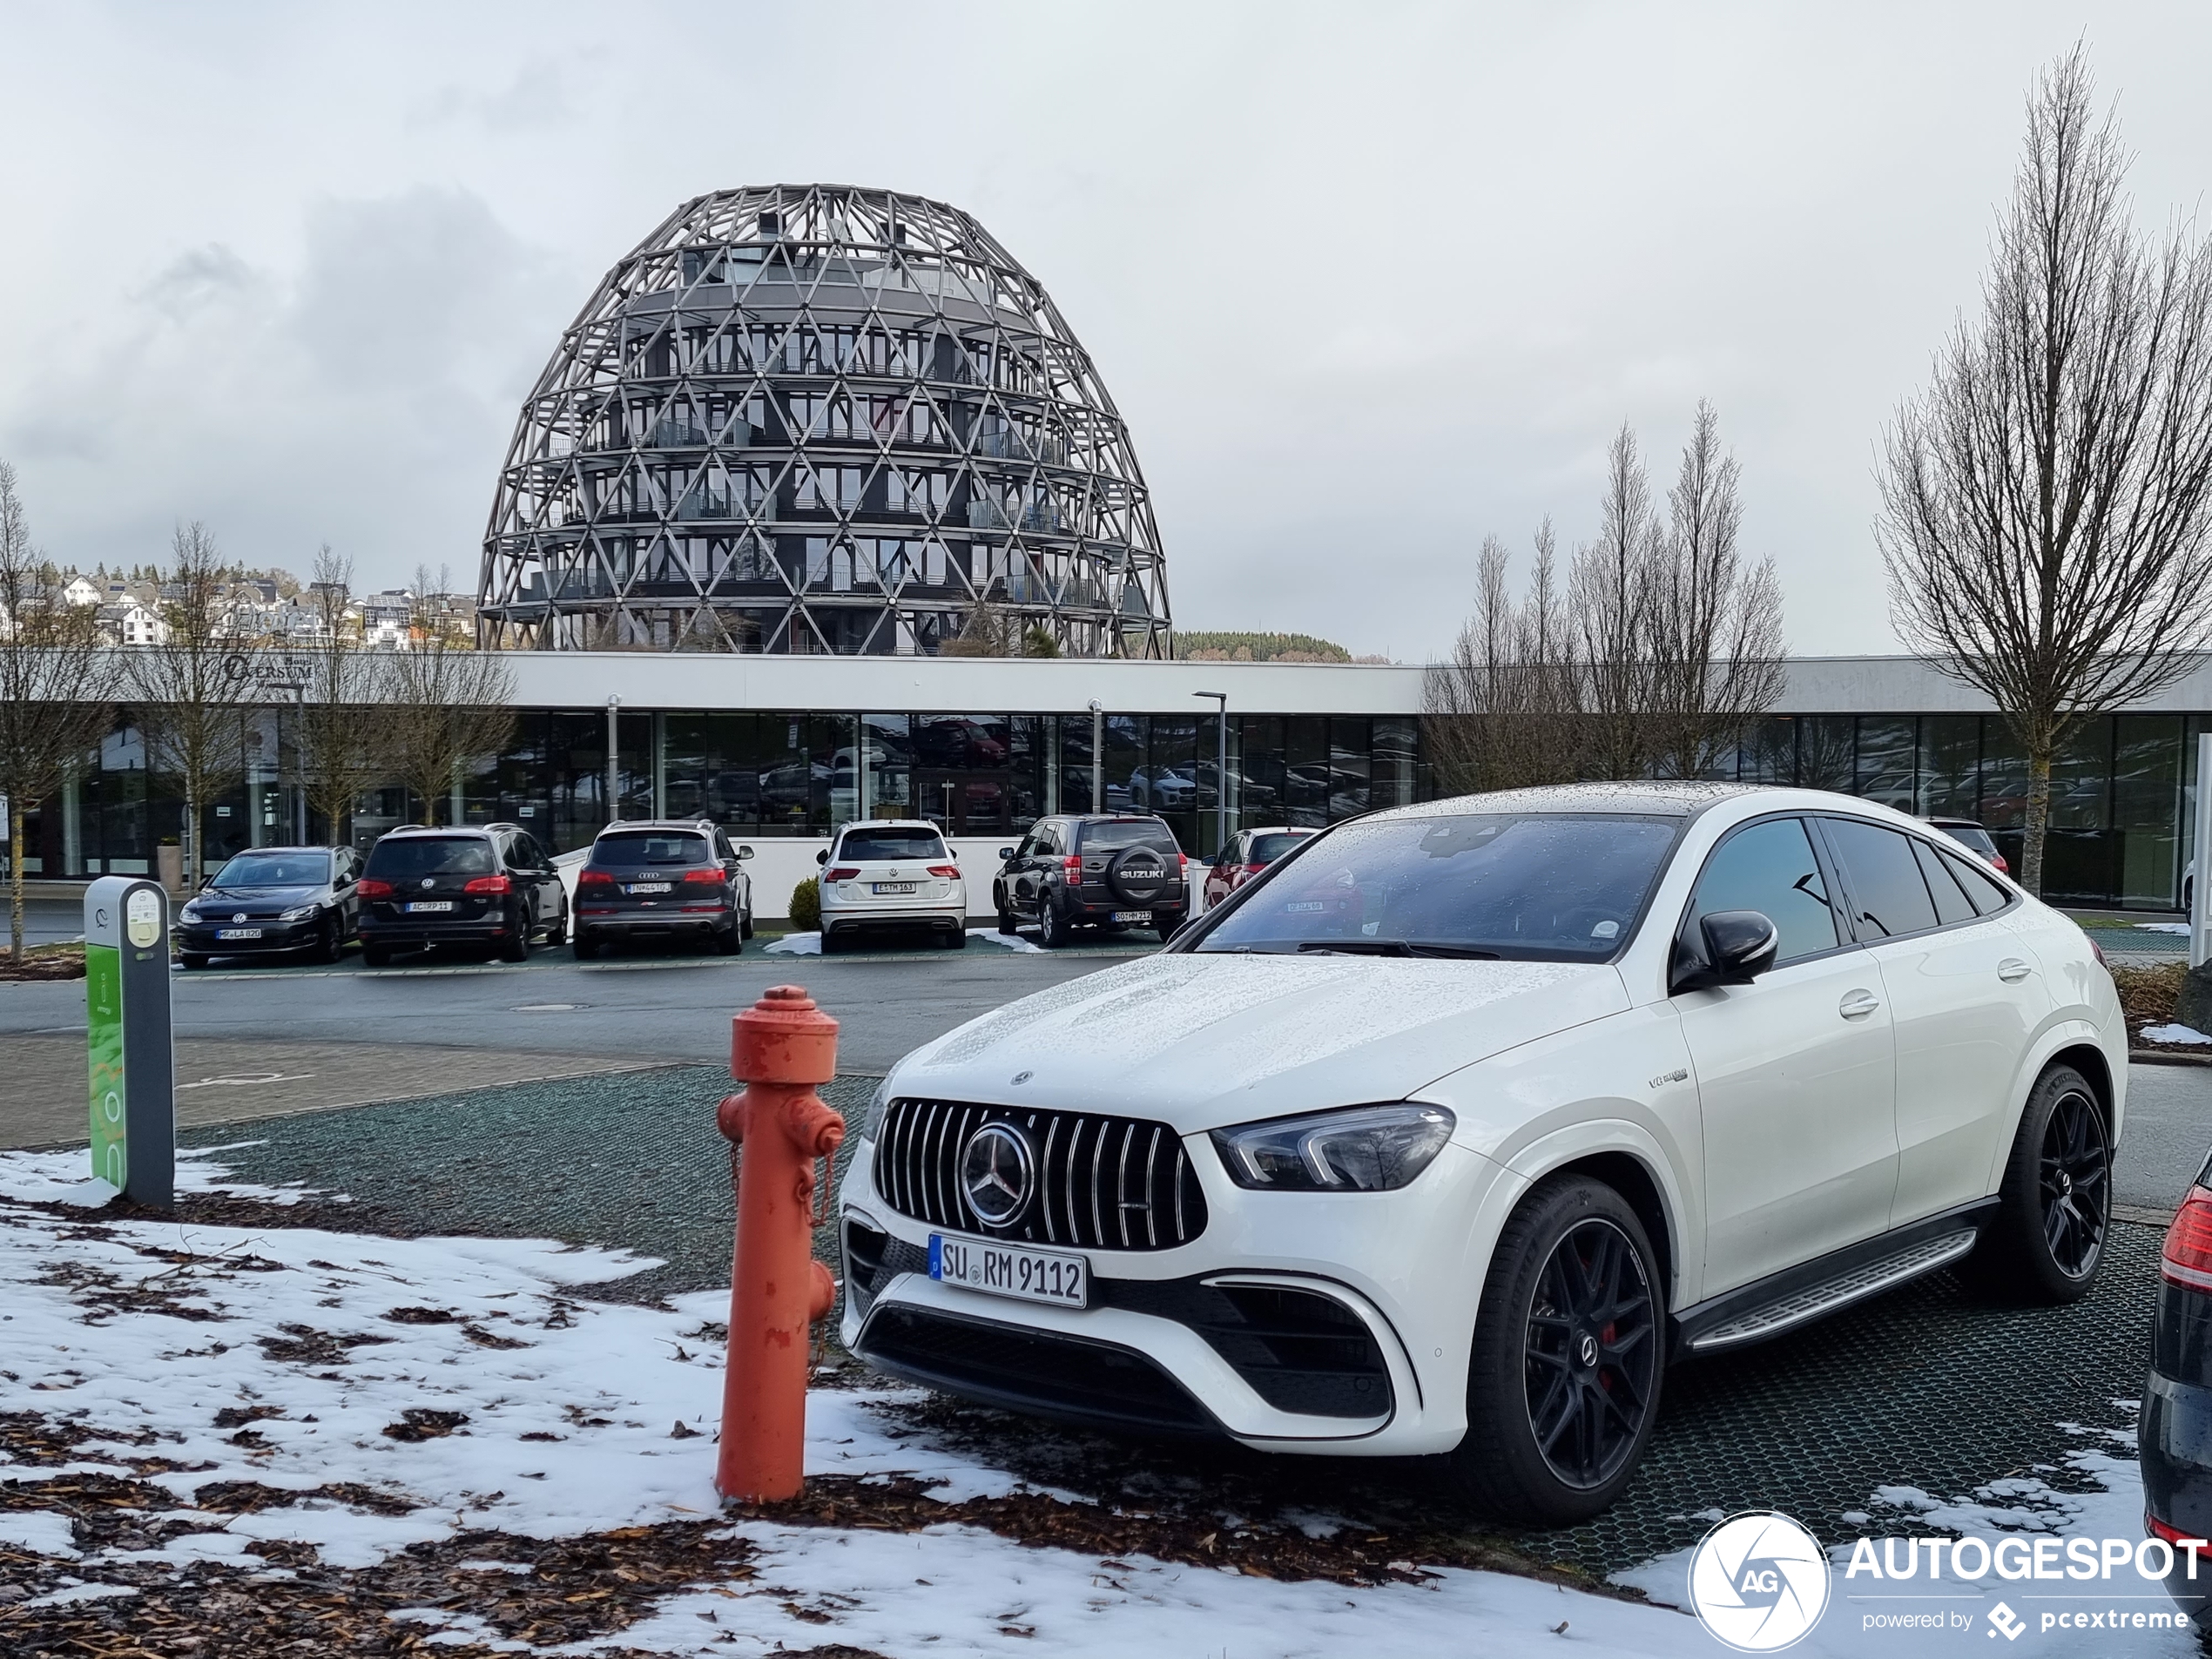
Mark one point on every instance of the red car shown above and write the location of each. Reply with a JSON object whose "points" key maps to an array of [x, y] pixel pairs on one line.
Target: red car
{"points": [[1249, 852]]}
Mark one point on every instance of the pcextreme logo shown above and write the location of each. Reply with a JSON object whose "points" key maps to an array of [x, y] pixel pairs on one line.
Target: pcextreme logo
{"points": [[1759, 1581]]}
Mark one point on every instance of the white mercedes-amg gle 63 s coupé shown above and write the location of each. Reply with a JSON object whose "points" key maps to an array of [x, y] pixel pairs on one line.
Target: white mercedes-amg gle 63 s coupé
{"points": [[1448, 1133]]}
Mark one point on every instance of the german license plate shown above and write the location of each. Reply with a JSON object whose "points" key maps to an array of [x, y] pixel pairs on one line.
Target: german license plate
{"points": [[1010, 1269], [635, 887], [894, 886], [1132, 915], [238, 933], [417, 907]]}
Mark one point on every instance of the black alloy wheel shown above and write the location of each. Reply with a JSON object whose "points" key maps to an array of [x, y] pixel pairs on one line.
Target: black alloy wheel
{"points": [[745, 924], [2074, 1182], [517, 946], [2044, 1242], [330, 939], [1564, 1374], [1590, 1354]]}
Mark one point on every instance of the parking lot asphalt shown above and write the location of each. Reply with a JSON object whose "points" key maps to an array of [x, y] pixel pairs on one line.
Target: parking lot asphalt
{"points": [[660, 1006], [1926, 1387]]}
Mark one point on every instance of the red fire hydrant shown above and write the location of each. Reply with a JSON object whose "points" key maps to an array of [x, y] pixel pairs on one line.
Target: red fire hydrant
{"points": [[780, 1048]]}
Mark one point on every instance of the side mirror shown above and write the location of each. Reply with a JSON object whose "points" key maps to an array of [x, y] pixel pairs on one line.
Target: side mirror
{"points": [[744, 852], [822, 857], [1740, 945], [1004, 853]]}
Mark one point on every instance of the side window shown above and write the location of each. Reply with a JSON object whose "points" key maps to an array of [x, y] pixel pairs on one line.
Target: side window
{"points": [[1770, 867], [1888, 900], [1987, 895], [1047, 842], [1951, 904]]}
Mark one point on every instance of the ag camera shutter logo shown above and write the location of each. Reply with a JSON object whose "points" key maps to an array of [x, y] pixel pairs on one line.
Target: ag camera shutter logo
{"points": [[1759, 1581]]}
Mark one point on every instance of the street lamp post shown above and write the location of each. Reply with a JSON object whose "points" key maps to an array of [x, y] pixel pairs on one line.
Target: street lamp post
{"points": [[614, 801], [1220, 769], [1097, 756]]}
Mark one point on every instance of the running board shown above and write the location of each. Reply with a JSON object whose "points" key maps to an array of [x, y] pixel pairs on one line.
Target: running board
{"points": [[1826, 1298]]}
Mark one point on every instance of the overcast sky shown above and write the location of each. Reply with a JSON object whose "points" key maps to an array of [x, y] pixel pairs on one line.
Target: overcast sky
{"points": [[1367, 280]]}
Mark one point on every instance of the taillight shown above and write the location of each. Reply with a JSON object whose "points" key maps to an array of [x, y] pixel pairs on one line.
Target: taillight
{"points": [[1182, 862], [369, 887], [489, 884], [2170, 1533], [1254, 869], [1997, 863], [2186, 1258], [950, 872], [1073, 867], [841, 873], [2096, 950], [711, 877], [593, 879]]}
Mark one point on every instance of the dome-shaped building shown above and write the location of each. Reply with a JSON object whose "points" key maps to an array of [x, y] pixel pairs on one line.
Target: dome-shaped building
{"points": [[810, 419]]}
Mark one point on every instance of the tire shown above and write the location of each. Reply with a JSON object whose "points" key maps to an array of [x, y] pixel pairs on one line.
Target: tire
{"points": [[1053, 929], [957, 941], [729, 940], [584, 945], [2046, 1243], [330, 943], [1553, 1437], [831, 943], [515, 948], [377, 955], [558, 933], [192, 960], [1006, 923], [745, 925]]}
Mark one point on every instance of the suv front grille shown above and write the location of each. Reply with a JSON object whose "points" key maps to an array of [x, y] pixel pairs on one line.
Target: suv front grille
{"points": [[1101, 1183]]}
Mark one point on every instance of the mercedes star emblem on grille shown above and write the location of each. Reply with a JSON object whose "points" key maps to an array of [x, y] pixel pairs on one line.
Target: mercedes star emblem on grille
{"points": [[997, 1171]]}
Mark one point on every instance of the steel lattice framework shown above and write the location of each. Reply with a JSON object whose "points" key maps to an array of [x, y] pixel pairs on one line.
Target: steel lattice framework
{"points": [[815, 419]]}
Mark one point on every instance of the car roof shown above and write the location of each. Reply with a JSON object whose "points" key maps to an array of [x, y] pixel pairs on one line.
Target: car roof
{"points": [[1665, 798], [484, 830], [1282, 829], [1958, 823], [889, 823], [693, 826], [304, 847]]}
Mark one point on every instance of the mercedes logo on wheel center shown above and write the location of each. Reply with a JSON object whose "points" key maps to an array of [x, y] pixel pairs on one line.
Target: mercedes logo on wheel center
{"points": [[997, 1172]]}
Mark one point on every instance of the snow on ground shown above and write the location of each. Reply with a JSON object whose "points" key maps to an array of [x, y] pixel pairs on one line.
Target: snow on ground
{"points": [[810, 944], [2174, 1034], [2181, 927], [583, 1416]]}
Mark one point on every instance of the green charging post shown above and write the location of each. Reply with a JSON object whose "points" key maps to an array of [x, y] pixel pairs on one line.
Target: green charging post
{"points": [[129, 1052]]}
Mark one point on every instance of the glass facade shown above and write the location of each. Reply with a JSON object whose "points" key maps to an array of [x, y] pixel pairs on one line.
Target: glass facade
{"points": [[2122, 794]]}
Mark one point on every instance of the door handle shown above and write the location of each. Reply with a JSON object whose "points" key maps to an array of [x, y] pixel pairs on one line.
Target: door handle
{"points": [[1857, 1005], [2011, 970]]}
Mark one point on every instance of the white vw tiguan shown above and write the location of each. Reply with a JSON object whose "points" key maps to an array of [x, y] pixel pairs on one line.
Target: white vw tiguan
{"points": [[1447, 1132], [887, 875]]}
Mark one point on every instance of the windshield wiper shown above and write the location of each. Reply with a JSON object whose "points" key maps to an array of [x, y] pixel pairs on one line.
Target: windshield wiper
{"points": [[1394, 948]]}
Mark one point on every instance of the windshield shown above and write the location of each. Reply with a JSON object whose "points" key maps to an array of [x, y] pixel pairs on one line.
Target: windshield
{"points": [[1111, 835], [276, 870], [430, 855], [884, 846], [1536, 888], [637, 849], [1268, 848]]}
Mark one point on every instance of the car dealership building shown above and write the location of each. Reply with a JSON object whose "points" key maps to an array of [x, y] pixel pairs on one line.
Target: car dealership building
{"points": [[782, 749]]}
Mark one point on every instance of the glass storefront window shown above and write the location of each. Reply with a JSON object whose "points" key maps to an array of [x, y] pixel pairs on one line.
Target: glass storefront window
{"points": [[1950, 765], [2146, 807], [1885, 766], [1351, 766], [1305, 772]]}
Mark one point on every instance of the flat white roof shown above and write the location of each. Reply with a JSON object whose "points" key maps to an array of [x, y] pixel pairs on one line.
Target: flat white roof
{"points": [[1898, 684]]}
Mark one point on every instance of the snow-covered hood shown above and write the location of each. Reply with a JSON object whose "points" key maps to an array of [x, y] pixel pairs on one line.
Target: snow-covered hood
{"points": [[1204, 1040]]}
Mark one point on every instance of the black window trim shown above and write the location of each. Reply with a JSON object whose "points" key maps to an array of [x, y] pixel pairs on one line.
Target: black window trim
{"points": [[1830, 873], [1852, 917]]}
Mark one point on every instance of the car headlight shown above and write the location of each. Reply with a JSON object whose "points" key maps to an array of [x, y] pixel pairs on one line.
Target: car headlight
{"points": [[191, 911], [300, 912], [872, 1124], [1360, 1149]]}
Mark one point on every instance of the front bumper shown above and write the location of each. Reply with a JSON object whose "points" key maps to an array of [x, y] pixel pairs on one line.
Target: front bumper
{"points": [[2175, 1442], [200, 938], [1325, 1322]]}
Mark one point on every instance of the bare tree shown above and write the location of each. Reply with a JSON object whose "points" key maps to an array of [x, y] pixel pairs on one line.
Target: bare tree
{"points": [[445, 702], [188, 687], [1714, 628], [338, 737], [1611, 588], [985, 633], [56, 680], [2045, 502], [1504, 711]]}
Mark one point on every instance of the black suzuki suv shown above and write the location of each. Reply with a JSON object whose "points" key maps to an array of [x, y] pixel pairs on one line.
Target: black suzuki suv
{"points": [[1109, 871], [664, 881], [492, 886]]}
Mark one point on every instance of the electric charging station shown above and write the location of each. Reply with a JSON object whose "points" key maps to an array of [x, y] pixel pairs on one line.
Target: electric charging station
{"points": [[129, 1050]]}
